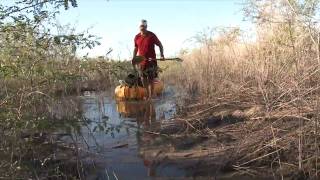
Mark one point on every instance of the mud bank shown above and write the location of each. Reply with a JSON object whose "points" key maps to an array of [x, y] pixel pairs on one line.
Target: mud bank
{"points": [[237, 138]]}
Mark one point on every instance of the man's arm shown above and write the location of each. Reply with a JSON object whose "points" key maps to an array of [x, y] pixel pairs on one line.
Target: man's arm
{"points": [[161, 50], [159, 44], [135, 51]]}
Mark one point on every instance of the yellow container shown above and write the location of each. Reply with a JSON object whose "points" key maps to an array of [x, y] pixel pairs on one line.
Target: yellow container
{"points": [[123, 92]]}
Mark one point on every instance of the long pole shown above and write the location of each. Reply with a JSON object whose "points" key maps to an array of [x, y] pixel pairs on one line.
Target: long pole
{"points": [[170, 59]]}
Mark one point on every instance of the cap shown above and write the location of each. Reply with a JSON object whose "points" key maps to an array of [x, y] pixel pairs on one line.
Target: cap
{"points": [[144, 23]]}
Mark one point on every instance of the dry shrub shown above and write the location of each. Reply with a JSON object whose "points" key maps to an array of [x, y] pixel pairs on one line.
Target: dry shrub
{"points": [[268, 70], [278, 70]]}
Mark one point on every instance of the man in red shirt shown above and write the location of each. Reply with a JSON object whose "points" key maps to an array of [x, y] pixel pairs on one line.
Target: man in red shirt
{"points": [[144, 43]]}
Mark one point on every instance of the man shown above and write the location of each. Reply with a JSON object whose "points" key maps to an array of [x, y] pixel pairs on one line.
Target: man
{"points": [[144, 43]]}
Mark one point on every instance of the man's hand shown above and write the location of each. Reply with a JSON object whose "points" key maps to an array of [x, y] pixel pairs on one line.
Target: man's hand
{"points": [[132, 60], [162, 57]]}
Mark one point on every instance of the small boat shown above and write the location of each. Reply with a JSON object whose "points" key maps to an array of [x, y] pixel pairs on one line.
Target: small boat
{"points": [[125, 92]]}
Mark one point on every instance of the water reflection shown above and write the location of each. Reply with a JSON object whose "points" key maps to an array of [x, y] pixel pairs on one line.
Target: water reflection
{"points": [[123, 130], [144, 113]]}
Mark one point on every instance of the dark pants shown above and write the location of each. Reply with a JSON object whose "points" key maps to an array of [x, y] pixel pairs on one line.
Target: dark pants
{"points": [[149, 70]]}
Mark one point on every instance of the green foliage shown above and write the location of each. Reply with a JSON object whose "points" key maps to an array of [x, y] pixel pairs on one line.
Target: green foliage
{"points": [[36, 65], [23, 8]]}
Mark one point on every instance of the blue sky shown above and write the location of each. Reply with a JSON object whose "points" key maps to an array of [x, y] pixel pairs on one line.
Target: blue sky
{"points": [[173, 21]]}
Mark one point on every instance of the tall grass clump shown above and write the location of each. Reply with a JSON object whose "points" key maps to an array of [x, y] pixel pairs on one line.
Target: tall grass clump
{"points": [[276, 69], [279, 63]]}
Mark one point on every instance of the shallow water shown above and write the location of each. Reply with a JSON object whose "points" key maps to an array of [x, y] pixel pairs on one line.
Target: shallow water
{"points": [[115, 134], [116, 137]]}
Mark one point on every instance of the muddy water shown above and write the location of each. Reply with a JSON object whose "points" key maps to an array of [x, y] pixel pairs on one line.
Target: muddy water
{"points": [[117, 132]]}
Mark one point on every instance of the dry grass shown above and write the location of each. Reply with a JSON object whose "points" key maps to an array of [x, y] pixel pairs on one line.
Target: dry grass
{"points": [[277, 71], [263, 71]]}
